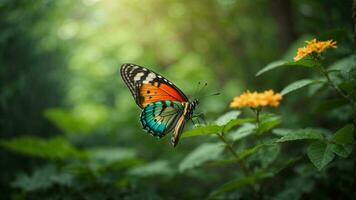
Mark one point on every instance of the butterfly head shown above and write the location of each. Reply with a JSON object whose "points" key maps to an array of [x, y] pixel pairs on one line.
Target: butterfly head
{"points": [[194, 103], [192, 106]]}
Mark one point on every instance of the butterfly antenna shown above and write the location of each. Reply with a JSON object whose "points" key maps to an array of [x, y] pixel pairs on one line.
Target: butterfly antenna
{"points": [[214, 94], [202, 87], [196, 89]]}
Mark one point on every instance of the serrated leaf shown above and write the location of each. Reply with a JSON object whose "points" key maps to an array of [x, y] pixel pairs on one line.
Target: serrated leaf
{"points": [[320, 154], [227, 117], [298, 85], [55, 148], [268, 124], [342, 150], [200, 155], [235, 184], [343, 135], [203, 130], [244, 131], [160, 167], [302, 134]]}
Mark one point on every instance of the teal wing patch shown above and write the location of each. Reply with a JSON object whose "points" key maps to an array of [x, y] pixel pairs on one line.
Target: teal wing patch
{"points": [[160, 117]]}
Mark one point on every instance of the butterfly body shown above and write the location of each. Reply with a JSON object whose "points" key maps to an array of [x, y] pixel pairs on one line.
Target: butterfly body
{"points": [[165, 107]]}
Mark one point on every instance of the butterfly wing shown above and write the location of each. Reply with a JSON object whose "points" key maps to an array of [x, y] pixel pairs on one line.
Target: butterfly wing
{"points": [[160, 117], [147, 86]]}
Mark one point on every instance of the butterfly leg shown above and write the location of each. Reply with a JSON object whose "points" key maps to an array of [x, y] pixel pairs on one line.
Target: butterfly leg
{"points": [[195, 122], [199, 117]]}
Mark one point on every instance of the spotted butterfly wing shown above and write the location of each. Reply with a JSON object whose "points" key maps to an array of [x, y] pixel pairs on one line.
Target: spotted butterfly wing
{"points": [[147, 86], [165, 107]]}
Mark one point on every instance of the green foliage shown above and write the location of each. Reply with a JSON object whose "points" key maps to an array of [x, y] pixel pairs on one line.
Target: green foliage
{"points": [[42, 179], [200, 155], [298, 85], [70, 128], [242, 132], [214, 129], [159, 167], [344, 135], [320, 154], [268, 123], [341, 150], [308, 63], [55, 148], [302, 134], [227, 117], [235, 184]]}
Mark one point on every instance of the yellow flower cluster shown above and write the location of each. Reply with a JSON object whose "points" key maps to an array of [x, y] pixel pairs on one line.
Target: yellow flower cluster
{"points": [[255, 99], [314, 46]]}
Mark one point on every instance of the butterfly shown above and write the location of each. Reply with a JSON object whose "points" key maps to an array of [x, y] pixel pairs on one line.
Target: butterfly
{"points": [[165, 108]]}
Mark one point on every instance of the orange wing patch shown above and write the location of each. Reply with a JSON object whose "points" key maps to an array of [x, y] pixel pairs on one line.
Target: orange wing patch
{"points": [[153, 92]]}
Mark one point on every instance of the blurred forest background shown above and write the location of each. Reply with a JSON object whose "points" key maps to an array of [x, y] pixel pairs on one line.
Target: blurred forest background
{"points": [[70, 128]]}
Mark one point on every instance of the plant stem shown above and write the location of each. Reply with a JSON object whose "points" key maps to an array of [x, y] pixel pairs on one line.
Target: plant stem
{"points": [[337, 89], [354, 112], [241, 162], [257, 119], [229, 147]]}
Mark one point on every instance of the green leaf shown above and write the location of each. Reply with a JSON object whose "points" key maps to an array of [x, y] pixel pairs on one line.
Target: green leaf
{"points": [[202, 130], [343, 135], [200, 155], [294, 188], [307, 63], [348, 86], [268, 124], [82, 119], [106, 155], [214, 129], [345, 64], [227, 117], [266, 155], [320, 154], [235, 184], [42, 178], [298, 84], [302, 134], [250, 151], [55, 148], [160, 167], [244, 131], [342, 150], [67, 121], [281, 131], [271, 66], [236, 122]]}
